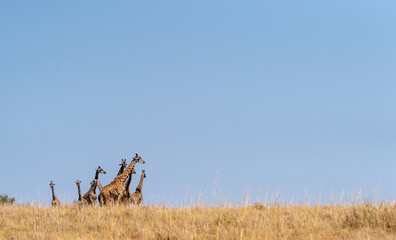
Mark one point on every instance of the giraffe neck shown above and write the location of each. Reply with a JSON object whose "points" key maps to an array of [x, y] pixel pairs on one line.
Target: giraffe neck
{"points": [[53, 193], [121, 170], [123, 176], [97, 175], [140, 186], [79, 193], [128, 182], [99, 186]]}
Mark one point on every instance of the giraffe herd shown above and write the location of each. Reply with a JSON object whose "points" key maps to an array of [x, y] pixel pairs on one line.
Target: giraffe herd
{"points": [[116, 192]]}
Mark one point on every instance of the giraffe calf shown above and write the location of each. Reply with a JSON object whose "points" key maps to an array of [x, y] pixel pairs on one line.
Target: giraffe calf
{"points": [[90, 196]]}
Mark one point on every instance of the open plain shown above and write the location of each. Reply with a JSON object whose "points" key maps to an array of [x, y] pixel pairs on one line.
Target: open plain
{"points": [[361, 221]]}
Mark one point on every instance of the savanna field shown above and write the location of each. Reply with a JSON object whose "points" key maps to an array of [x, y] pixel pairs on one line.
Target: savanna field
{"points": [[256, 221]]}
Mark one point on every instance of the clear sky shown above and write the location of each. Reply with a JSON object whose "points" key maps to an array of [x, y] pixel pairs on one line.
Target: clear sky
{"points": [[239, 96]]}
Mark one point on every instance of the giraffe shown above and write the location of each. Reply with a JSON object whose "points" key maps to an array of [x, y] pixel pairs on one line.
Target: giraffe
{"points": [[55, 201], [114, 191], [137, 196], [81, 200], [127, 192], [91, 196], [123, 165]]}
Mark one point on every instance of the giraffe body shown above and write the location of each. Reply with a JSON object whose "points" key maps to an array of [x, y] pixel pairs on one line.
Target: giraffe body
{"points": [[123, 165]]}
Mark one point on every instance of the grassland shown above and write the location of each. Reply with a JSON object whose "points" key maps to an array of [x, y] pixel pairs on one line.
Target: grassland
{"points": [[363, 221]]}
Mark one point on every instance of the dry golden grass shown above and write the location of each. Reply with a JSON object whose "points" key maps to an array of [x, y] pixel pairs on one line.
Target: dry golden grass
{"points": [[364, 221]]}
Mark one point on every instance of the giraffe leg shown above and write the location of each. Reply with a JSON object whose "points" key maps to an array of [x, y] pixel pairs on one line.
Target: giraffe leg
{"points": [[101, 200], [106, 200], [111, 201], [119, 200]]}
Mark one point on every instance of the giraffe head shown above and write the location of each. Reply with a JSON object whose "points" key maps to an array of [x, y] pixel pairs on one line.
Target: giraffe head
{"points": [[123, 163], [94, 182], [138, 159], [78, 182], [144, 173], [52, 184], [100, 170]]}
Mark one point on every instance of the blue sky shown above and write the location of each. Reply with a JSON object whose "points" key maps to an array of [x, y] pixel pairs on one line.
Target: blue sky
{"points": [[239, 96]]}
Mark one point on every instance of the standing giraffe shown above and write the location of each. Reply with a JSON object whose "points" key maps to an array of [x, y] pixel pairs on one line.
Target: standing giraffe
{"points": [[127, 193], [55, 201], [123, 165], [137, 196], [91, 196], [114, 191], [81, 200]]}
